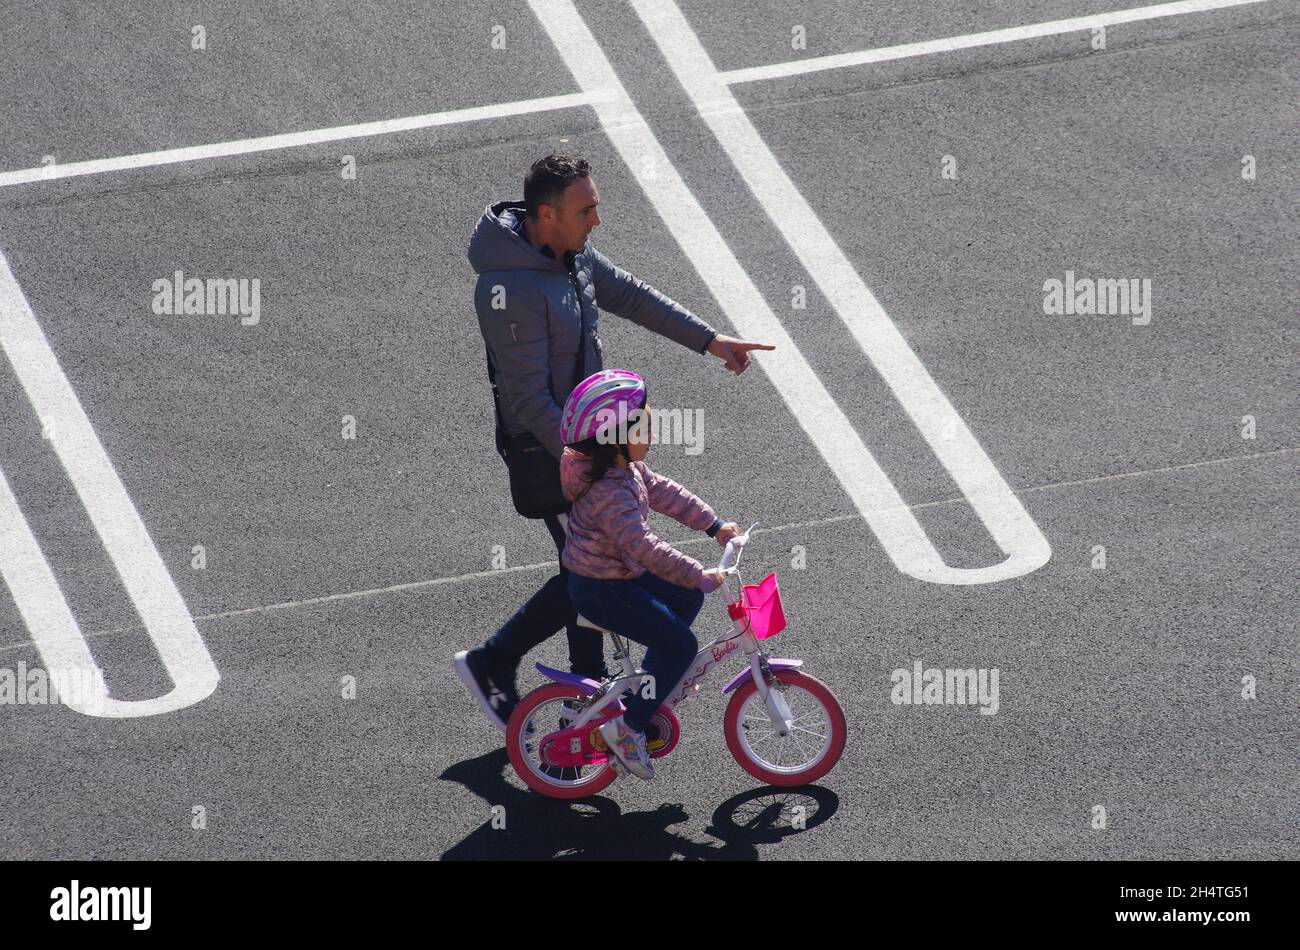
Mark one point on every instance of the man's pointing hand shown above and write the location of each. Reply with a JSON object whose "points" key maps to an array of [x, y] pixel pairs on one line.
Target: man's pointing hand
{"points": [[735, 353]]}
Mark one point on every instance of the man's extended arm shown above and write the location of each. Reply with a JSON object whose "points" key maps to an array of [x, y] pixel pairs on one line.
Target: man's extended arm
{"points": [[632, 299], [518, 336]]}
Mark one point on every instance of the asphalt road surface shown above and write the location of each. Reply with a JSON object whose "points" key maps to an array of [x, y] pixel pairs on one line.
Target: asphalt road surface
{"points": [[1147, 670]]}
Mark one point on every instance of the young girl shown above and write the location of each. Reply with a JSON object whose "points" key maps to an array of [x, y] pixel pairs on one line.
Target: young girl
{"points": [[621, 575]]}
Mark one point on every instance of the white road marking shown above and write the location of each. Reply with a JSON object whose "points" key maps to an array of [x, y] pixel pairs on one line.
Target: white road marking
{"points": [[296, 139], [593, 96], [827, 427], [684, 543], [150, 586], [126, 541], [990, 38]]}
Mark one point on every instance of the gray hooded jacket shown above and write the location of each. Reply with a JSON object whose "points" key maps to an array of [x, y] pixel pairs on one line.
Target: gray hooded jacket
{"points": [[530, 309]]}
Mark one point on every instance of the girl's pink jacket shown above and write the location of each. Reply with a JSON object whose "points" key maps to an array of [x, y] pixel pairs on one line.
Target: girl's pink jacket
{"points": [[607, 535]]}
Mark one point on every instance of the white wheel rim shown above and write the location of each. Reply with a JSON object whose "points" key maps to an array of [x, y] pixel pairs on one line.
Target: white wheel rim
{"points": [[807, 744], [528, 746]]}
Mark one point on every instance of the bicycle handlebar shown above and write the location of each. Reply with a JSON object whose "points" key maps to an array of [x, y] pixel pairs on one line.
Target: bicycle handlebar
{"points": [[731, 555]]}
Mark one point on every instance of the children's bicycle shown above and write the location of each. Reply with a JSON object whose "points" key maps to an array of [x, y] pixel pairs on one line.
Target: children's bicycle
{"points": [[782, 725]]}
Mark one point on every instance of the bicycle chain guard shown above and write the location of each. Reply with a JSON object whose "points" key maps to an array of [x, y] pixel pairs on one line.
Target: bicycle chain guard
{"points": [[584, 745]]}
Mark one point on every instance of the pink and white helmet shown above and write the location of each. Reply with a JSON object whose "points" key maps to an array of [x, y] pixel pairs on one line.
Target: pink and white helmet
{"points": [[588, 408]]}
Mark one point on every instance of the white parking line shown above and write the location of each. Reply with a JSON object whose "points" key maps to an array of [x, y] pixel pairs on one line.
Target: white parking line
{"points": [[126, 541], [990, 38], [296, 139], [593, 96], [152, 591], [821, 418], [684, 543], [827, 427]]}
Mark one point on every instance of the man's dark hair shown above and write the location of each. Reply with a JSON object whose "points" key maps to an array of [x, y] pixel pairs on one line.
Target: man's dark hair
{"points": [[547, 179]]}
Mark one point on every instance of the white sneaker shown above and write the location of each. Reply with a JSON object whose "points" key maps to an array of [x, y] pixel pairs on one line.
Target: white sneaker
{"points": [[628, 747]]}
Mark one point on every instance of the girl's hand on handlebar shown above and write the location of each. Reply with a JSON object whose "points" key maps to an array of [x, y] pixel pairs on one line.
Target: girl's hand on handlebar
{"points": [[711, 580], [726, 533]]}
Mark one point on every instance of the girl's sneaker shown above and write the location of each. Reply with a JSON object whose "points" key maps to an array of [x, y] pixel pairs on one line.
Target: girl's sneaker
{"points": [[628, 747]]}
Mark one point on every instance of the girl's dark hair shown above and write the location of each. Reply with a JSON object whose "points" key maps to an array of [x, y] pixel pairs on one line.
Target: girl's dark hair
{"points": [[547, 179], [603, 455]]}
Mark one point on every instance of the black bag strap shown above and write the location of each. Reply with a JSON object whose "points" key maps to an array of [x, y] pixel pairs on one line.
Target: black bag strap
{"points": [[502, 442]]}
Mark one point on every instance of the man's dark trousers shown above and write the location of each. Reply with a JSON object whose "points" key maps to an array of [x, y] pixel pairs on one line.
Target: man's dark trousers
{"points": [[546, 612]]}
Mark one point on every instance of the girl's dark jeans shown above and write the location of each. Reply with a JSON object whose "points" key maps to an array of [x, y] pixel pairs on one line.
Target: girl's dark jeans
{"points": [[652, 612]]}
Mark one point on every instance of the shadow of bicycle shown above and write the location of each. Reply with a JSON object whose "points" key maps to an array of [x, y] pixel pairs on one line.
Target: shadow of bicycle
{"points": [[532, 827]]}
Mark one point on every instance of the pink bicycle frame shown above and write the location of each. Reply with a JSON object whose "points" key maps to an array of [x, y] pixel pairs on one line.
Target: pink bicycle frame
{"points": [[741, 637]]}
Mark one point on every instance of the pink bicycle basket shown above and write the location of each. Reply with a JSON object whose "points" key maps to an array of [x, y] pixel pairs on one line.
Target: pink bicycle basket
{"points": [[762, 601]]}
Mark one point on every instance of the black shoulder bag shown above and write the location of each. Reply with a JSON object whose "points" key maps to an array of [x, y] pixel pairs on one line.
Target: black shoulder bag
{"points": [[535, 485]]}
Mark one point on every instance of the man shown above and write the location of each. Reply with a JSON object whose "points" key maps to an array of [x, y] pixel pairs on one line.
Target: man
{"points": [[538, 277]]}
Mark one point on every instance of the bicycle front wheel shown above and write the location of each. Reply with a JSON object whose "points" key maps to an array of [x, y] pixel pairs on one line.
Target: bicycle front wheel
{"points": [[816, 738]]}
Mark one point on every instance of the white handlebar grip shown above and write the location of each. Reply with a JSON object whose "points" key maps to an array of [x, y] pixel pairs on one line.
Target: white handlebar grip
{"points": [[732, 552]]}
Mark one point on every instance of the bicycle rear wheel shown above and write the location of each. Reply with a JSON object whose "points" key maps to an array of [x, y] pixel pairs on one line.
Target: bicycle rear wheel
{"points": [[542, 710]]}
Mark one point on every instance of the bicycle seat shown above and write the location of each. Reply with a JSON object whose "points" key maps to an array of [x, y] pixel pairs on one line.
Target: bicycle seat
{"points": [[584, 622]]}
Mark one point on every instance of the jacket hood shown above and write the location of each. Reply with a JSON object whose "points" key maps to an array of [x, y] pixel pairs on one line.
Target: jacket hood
{"points": [[497, 245], [574, 469]]}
